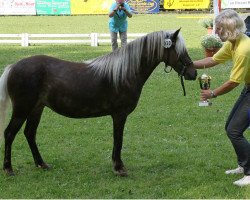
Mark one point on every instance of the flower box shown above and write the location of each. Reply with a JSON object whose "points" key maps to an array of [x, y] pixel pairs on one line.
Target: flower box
{"points": [[211, 43]]}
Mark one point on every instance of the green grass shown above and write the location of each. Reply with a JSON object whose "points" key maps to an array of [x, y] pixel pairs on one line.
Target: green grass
{"points": [[172, 148]]}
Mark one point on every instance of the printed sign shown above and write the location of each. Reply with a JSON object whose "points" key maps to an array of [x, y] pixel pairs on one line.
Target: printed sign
{"points": [[144, 6], [235, 3], [186, 4], [90, 6], [53, 7], [17, 7]]}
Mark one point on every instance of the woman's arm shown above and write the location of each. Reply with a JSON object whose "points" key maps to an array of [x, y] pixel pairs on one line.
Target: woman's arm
{"points": [[112, 13], [223, 89], [128, 13], [205, 63]]}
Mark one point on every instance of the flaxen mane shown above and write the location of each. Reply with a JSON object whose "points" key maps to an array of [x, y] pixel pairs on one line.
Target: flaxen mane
{"points": [[124, 63]]}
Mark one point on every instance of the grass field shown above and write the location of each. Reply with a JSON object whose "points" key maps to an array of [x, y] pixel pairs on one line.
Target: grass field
{"points": [[172, 148]]}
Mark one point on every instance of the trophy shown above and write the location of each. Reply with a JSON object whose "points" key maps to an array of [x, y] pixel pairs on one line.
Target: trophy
{"points": [[205, 82]]}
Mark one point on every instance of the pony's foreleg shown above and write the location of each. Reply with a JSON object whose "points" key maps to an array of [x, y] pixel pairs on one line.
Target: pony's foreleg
{"points": [[30, 134], [9, 135], [118, 128]]}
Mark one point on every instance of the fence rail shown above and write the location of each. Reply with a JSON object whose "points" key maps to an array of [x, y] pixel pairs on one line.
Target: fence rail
{"points": [[93, 39]]}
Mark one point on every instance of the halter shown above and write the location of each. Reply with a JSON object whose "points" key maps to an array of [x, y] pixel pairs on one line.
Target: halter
{"points": [[185, 63]]}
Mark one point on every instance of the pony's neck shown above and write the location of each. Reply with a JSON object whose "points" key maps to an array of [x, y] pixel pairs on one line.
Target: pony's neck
{"points": [[132, 63], [148, 65], [147, 69]]}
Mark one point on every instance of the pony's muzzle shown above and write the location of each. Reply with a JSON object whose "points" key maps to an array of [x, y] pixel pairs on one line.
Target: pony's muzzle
{"points": [[191, 74]]}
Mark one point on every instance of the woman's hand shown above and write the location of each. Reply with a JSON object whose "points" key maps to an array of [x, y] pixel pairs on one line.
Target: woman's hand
{"points": [[206, 94]]}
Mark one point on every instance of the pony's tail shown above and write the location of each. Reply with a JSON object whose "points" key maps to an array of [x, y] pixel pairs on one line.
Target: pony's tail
{"points": [[4, 100]]}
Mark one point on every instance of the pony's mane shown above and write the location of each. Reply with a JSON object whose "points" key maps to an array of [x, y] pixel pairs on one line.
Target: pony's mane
{"points": [[123, 64]]}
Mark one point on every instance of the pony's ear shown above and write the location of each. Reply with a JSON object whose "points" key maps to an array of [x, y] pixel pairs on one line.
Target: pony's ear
{"points": [[175, 34]]}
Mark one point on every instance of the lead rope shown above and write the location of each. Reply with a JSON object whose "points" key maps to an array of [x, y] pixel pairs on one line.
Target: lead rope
{"points": [[182, 81], [183, 86]]}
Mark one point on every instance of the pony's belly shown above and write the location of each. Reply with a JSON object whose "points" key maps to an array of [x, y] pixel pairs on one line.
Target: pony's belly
{"points": [[81, 112], [84, 104]]}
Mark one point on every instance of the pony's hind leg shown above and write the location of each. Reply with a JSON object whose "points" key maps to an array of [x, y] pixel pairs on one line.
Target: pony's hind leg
{"points": [[9, 135], [30, 134]]}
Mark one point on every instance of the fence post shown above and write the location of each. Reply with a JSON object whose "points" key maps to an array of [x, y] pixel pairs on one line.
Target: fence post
{"points": [[25, 40], [94, 39]]}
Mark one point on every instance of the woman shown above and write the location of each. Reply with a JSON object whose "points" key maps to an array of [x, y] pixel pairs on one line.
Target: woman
{"points": [[231, 28], [119, 11]]}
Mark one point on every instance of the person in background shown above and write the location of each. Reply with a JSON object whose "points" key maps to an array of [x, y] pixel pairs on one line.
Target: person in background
{"points": [[231, 28], [119, 11]]}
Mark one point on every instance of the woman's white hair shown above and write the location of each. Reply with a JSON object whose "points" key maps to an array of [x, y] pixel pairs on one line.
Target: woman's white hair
{"points": [[231, 23]]}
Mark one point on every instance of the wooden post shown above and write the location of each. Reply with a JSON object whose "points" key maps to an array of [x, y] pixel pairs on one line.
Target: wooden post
{"points": [[25, 40]]}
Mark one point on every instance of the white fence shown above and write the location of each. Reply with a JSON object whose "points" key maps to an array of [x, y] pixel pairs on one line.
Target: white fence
{"points": [[93, 39]]}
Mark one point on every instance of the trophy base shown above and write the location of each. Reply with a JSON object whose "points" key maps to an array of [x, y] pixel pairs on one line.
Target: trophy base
{"points": [[205, 103]]}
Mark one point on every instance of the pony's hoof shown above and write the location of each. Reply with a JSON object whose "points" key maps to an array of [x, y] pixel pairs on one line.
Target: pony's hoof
{"points": [[9, 172], [44, 166], [121, 172]]}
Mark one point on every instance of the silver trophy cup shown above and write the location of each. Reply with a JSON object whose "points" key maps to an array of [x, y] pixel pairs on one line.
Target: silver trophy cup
{"points": [[205, 82]]}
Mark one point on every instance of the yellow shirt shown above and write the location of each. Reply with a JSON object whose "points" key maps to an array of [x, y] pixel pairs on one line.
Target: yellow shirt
{"points": [[240, 55]]}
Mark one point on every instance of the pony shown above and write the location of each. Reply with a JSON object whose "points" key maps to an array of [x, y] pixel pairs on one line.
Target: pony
{"points": [[107, 85]]}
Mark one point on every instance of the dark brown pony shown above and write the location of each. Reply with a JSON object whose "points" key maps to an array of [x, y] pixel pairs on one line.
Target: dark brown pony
{"points": [[107, 85]]}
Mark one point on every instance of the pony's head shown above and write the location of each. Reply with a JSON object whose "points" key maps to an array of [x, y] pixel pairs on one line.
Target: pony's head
{"points": [[176, 56]]}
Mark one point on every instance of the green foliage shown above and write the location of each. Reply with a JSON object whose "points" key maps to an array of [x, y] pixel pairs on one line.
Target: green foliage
{"points": [[211, 41], [172, 148], [206, 22]]}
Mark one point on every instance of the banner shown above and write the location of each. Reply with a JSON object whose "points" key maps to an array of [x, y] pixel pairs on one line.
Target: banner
{"points": [[90, 6], [17, 7], [102, 6], [144, 6], [235, 3], [186, 4], [53, 7]]}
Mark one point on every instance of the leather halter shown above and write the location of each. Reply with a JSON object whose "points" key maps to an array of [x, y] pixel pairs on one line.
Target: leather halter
{"points": [[184, 62]]}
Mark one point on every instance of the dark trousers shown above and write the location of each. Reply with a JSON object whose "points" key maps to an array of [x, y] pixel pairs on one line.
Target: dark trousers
{"points": [[238, 121]]}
